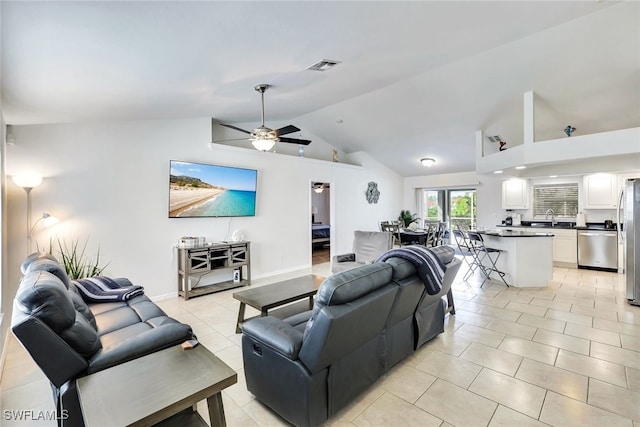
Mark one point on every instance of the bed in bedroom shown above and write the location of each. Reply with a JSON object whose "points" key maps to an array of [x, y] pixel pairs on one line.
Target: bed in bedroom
{"points": [[320, 233]]}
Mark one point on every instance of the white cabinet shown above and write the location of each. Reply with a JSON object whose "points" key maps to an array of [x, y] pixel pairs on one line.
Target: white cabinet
{"points": [[565, 246], [515, 194], [600, 191]]}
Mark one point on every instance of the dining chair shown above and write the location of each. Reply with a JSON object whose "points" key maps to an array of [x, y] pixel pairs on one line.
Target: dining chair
{"points": [[394, 228], [430, 229], [439, 234], [435, 231], [484, 253]]}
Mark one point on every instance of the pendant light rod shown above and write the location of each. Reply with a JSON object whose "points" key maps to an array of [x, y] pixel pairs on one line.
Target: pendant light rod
{"points": [[262, 88]]}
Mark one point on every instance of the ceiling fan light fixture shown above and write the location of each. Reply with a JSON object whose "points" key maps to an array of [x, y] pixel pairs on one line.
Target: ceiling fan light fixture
{"points": [[427, 162], [263, 138], [263, 144]]}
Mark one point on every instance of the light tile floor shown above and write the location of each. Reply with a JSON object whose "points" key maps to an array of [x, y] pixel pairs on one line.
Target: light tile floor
{"points": [[565, 355]]}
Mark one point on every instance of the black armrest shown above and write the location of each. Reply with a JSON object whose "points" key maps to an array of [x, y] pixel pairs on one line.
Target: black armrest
{"points": [[346, 257], [52, 354], [275, 334]]}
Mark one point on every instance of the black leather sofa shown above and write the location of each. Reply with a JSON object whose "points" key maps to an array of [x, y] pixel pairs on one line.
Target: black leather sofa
{"points": [[365, 320], [68, 338]]}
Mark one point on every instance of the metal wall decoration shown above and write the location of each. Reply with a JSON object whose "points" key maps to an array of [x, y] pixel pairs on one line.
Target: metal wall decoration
{"points": [[372, 193]]}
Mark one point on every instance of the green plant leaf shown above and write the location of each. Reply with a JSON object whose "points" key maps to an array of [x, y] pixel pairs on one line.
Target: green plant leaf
{"points": [[76, 263]]}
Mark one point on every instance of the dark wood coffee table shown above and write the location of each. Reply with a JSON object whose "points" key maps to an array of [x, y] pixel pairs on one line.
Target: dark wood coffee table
{"points": [[164, 385], [266, 297]]}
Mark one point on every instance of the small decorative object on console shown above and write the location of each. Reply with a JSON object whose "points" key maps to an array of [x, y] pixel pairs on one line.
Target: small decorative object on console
{"points": [[191, 242]]}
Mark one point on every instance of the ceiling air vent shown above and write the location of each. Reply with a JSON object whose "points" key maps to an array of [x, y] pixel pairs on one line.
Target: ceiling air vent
{"points": [[323, 65]]}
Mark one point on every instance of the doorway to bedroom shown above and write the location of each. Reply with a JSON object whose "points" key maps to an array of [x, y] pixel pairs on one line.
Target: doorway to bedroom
{"points": [[320, 222]]}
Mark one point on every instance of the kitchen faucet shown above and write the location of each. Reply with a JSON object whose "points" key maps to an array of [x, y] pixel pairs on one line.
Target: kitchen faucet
{"points": [[553, 217]]}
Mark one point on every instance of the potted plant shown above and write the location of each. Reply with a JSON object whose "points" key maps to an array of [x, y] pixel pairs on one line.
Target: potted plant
{"points": [[407, 218], [74, 260]]}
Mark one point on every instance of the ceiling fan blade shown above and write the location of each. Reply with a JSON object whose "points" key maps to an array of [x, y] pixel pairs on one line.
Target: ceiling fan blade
{"points": [[287, 130], [295, 140], [234, 127]]}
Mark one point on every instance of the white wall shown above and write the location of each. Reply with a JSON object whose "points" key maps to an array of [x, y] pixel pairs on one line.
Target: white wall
{"points": [[488, 193], [108, 182]]}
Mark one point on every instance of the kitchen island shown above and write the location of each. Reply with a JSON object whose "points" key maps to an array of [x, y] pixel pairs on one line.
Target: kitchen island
{"points": [[526, 258]]}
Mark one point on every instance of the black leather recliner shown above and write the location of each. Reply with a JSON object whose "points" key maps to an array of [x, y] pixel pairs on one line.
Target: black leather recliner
{"points": [[365, 320], [68, 338]]}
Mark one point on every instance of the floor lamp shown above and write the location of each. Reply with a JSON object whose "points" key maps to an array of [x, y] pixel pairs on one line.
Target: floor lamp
{"points": [[28, 183]]}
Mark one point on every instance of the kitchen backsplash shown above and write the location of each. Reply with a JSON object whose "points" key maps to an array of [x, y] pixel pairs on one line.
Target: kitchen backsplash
{"points": [[590, 215]]}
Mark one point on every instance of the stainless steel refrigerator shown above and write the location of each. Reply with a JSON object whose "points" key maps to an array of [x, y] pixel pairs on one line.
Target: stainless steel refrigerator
{"points": [[630, 235]]}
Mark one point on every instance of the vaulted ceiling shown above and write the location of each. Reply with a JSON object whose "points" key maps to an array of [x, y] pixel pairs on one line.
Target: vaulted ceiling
{"points": [[415, 79]]}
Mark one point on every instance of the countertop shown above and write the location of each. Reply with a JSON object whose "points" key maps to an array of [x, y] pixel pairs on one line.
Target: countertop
{"points": [[515, 233], [528, 225]]}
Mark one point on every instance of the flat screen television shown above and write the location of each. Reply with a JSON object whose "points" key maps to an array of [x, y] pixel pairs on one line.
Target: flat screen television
{"points": [[198, 190]]}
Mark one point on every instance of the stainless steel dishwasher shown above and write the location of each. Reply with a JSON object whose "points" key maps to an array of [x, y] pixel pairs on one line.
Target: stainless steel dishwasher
{"points": [[598, 249]]}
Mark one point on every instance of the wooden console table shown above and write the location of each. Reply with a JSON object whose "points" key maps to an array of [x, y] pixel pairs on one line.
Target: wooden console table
{"points": [[195, 263], [156, 387]]}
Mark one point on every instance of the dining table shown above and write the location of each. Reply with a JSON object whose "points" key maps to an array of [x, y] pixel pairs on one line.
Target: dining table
{"points": [[418, 236]]}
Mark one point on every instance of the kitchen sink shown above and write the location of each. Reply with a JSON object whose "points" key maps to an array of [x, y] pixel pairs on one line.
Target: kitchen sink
{"points": [[563, 225], [540, 224]]}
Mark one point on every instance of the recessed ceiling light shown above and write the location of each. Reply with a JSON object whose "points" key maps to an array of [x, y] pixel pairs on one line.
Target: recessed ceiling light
{"points": [[553, 176], [427, 161], [497, 171], [521, 167]]}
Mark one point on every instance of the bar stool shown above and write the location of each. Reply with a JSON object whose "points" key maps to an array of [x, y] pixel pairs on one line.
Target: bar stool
{"points": [[467, 252], [484, 253]]}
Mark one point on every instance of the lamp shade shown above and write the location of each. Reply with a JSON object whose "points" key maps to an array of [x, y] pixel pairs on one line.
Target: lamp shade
{"points": [[263, 144], [27, 180], [49, 220]]}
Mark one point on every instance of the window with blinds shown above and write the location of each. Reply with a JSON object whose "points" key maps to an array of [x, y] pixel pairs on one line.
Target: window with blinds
{"points": [[561, 198]]}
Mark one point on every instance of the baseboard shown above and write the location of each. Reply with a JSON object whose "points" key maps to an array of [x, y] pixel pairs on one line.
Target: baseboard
{"points": [[164, 296], [304, 269], [564, 264]]}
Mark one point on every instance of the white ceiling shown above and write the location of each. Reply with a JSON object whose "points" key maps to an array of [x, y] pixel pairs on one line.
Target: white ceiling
{"points": [[416, 79]]}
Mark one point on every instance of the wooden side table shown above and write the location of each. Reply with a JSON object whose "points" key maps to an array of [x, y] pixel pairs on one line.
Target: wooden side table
{"points": [[150, 389]]}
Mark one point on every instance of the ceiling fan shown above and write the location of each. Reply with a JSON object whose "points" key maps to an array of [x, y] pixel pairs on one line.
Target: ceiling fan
{"points": [[264, 138]]}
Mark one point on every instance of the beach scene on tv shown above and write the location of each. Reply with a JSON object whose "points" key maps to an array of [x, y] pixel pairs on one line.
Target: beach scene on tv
{"points": [[201, 190]]}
